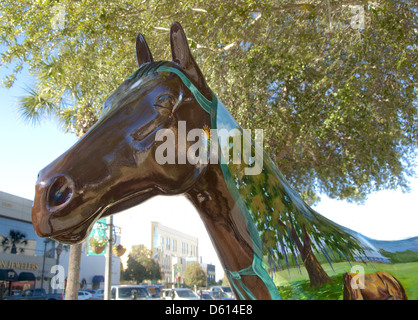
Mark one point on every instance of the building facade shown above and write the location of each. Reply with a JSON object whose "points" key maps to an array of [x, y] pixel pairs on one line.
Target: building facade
{"points": [[26, 260], [173, 250], [210, 273]]}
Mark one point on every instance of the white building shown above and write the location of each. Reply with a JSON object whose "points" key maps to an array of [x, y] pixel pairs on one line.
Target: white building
{"points": [[173, 250]]}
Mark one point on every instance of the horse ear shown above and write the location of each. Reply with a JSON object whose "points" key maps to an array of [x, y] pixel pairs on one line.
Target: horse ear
{"points": [[181, 54], [143, 54]]}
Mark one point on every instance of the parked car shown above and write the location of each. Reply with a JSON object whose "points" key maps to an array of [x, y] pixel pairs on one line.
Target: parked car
{"points": [[154, 290], [99, 294], [34, 294], [82, 295], [223, 289], [15, 293], [93, 292], [179, 294], [130, 292], [223, 296], [205, 295]]}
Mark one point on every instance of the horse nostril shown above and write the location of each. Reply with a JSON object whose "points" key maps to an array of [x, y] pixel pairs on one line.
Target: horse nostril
{"points": [[59, 193]]}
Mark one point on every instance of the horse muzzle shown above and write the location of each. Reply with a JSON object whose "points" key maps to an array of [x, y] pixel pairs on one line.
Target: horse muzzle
{"points": [[52, 207]]}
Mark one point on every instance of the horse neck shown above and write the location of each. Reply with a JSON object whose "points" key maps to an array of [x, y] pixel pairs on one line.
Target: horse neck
{"points": [[223, 220]]}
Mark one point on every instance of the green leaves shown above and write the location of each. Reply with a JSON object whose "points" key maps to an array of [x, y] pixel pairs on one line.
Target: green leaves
{"points": [[337, 104], [194, 275], [140, 266]]}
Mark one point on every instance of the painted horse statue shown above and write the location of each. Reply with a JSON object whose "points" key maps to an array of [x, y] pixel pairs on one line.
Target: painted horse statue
{"points": [[162, 132]]}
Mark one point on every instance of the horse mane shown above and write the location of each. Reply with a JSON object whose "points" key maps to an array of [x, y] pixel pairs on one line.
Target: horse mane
{"points": [[148, 68], [281, 225], [125, 93]]}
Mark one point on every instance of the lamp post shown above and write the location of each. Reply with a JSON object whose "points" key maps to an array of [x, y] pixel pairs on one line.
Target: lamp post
{"points": [[43, 265]]}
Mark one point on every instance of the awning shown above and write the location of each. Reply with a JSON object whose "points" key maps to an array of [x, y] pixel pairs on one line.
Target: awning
{"points": [[98, 279], [26, 276], [8, 275]]}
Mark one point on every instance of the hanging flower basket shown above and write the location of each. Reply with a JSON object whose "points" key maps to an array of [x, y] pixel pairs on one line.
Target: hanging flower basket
{"points": [[97, 245], [119, 250], [97, 249]]}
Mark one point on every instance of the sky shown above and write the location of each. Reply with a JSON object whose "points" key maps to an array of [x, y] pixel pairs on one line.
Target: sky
{"points": [[26, 149]]}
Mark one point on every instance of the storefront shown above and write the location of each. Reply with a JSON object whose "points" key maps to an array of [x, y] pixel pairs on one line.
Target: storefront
{"points": [[19, 272], [12, 282], [26, 260]]}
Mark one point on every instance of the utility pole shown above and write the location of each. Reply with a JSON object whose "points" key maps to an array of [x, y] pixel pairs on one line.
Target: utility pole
{"points": [[108, 268], [43, 265]]}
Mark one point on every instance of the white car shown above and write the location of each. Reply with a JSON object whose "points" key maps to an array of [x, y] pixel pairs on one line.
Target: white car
{"points": [[82, 295], [130, 292], [179, 294], [99, 293], [220, 292]]}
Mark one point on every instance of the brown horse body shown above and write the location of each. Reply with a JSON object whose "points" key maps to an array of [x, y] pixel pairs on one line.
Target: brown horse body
{"points": [[376, 286]]}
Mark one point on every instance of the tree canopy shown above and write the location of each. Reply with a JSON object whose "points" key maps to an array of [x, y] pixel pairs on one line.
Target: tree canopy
{"points": [[332, 83], [194, 275], [140, 266]]}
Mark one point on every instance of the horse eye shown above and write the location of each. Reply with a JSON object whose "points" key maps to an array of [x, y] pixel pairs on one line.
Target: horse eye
{"points": [[165, 101]]}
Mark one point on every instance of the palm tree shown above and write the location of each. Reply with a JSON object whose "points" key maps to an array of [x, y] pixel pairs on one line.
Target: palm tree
{"points": [[12, 242], [56, 249], [75, 110]]}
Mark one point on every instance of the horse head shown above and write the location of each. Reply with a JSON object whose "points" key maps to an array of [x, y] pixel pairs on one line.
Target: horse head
{"points": [[114, 165]]}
